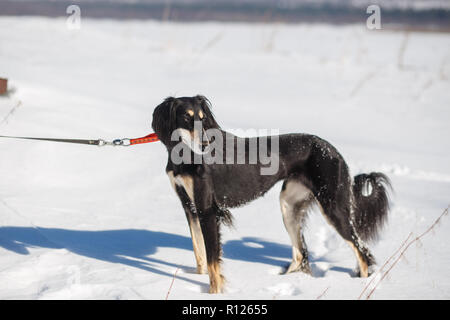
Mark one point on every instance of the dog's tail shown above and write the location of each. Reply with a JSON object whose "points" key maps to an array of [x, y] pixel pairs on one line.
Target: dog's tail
{"points": [[371, 197]]}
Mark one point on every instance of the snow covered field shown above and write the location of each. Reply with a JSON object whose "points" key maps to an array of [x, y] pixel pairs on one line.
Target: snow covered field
{"points": [[81, 222]]}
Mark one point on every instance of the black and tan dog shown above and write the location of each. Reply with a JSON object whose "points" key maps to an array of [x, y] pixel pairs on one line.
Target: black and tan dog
{"points": [[313, 172]]}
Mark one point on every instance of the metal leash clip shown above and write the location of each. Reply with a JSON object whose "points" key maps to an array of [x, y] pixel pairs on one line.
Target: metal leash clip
{"points": [[122, 142], [117, 142]]}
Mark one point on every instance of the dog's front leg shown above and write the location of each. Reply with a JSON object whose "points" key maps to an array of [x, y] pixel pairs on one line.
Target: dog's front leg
{"points": [[197, 240], [183, 186], [211, 234], [209, 222]]}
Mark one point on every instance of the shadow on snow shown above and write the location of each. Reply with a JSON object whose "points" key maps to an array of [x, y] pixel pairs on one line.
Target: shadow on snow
{"points": [[135, 247]]}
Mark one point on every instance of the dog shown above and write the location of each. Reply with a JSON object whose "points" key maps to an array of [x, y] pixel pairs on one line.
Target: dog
{"points": [[313, 171]]}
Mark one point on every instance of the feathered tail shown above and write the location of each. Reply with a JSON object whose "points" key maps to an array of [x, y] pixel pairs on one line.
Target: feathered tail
{"points": [[371, 196]]}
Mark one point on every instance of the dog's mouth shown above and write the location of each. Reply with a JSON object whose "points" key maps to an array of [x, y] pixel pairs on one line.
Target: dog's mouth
{"points": [[206, 141], [200, 140], [195, 141]]}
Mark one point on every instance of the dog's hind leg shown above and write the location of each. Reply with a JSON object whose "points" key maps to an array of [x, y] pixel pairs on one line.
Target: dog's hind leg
{"points": [[332, 185], [363, 255], [183, 188], [340, 219], [295, 200]]}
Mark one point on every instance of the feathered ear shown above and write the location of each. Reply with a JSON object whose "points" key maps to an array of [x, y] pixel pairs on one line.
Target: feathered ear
{"points": [[164, 118], [210, 121]]}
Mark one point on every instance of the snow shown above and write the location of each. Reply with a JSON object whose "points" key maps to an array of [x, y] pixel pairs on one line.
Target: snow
{"points": [[82, 222]]}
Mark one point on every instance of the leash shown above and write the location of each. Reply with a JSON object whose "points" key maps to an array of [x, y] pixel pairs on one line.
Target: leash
{"points": [[152, 137]]}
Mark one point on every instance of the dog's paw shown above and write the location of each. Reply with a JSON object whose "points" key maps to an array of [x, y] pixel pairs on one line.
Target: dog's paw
{"points": [[202, 270], [296, 266], [358, 274], [193, 270]]}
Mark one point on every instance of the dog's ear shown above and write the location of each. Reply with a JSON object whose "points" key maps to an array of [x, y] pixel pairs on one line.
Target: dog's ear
{"points": [[210, 121], [164, 119]]}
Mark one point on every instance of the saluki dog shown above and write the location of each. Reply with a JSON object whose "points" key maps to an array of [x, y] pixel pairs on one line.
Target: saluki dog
{"points": [[313, 172]]}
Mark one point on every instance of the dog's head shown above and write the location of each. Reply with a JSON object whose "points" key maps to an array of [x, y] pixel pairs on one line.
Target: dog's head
{"points": [[185, 115]]}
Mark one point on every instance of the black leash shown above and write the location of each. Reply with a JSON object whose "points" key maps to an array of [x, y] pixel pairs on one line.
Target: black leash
{"points": [[79, 141], [99, 142]]}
